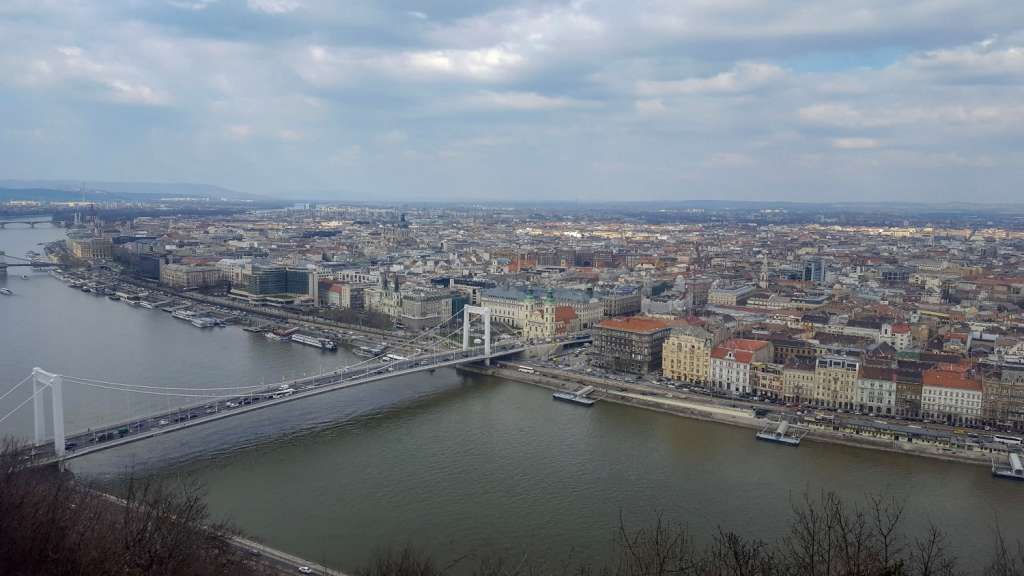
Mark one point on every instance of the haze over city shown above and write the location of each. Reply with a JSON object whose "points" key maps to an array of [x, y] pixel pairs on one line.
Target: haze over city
{"points": [[491, 100]]}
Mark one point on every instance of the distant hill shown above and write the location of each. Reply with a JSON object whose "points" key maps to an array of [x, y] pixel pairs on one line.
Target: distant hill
{"points": [[66, 190]]}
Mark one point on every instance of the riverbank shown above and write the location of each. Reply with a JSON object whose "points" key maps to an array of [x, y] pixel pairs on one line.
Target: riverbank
{"points": [[690, 407]]}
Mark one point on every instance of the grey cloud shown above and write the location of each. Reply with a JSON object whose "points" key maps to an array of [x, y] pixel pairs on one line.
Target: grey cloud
{"points": [[532, 99]]}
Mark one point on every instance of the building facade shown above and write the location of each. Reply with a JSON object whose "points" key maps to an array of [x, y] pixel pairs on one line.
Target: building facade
{"points": [[686, 354], [876, 391], [630, 344], [951, 397], [835, 382], [185, 277], [730, 367]]}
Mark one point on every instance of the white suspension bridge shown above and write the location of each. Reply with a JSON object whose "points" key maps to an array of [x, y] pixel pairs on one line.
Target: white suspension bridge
{"points": [[196, 406]]}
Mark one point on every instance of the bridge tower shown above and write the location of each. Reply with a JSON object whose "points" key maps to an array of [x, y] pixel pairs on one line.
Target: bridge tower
{"points": [[41, 380], [485, 314], [3, 263]]}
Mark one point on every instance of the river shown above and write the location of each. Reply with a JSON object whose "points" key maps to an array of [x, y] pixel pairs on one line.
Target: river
{"points": [[454, 464]]}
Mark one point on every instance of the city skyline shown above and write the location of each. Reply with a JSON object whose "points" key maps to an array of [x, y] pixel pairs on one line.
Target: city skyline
{"points": [[533, 101]]}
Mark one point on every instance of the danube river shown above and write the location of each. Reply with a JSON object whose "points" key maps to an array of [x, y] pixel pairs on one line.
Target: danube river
{"points": [[453, 464]]}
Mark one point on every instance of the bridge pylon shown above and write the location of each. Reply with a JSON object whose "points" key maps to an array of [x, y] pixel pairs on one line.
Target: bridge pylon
{"points": [[485, 314], [41, 380]]}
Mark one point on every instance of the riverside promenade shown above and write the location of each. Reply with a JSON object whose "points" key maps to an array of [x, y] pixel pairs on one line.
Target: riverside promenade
{"points": [[701, 407]]}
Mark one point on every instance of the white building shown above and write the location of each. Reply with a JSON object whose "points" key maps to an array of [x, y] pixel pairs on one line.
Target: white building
{"points": [[953, 397], [876, 391], [730, 364]]}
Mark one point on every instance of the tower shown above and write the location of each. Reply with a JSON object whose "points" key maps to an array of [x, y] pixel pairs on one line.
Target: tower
{"points": [[762, 280], [549, 313]]}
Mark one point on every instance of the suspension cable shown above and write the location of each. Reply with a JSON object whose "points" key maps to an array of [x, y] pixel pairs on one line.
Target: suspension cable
{"points": [[19, 406], [97, 381], [15, 387], [166, 394]]}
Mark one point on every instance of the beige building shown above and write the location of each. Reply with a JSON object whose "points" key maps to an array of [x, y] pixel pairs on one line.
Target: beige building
{"points": [[91, 248], [686, 355], [548, 320], [766, 379], [189, 277], [835, 382], [729, 295], [513, 307], [798, 380]]}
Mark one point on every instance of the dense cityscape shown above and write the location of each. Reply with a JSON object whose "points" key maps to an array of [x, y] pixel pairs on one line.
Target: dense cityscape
{"points": [[909, 333]]}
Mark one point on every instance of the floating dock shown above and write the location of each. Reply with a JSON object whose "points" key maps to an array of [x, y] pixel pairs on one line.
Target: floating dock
{"points": [[1015, 471], [577, 397], [781, 434]]}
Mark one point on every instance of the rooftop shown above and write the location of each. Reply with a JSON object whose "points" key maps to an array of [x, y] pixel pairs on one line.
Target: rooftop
{"points": [[635, 324]]}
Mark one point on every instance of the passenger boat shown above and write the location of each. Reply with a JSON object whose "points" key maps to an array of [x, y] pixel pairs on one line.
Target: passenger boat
{"points": [[281, 335], [203, 322], [369, 351], [314, 341]]}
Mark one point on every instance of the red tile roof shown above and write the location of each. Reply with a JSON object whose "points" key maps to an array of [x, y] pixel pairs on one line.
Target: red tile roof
{"points": [[565, 314], [742, 356], [634, 324], [745, 344], [951, 379]]}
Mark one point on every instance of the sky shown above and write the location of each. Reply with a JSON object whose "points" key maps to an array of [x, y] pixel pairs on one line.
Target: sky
{"points": [[588, 100]]}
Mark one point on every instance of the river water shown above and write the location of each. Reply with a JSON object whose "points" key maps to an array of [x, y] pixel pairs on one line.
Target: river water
{"points": [[456, 465]]}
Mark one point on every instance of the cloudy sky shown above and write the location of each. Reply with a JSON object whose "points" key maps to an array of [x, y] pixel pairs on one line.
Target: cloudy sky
{"points": [[527, 100]]}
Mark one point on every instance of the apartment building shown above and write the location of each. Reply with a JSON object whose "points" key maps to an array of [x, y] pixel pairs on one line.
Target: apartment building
{"points": [[686, 354]]}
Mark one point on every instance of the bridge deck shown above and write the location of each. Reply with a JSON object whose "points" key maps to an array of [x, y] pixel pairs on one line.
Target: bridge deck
{"points": [[306, 387]]}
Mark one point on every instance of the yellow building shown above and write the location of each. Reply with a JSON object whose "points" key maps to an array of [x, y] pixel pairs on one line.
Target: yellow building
{"points": [[686, 354], [798, 381], [835, 383], [766, 379], [91, 248]]}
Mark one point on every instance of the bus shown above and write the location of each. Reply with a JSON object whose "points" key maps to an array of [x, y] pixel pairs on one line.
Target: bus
{"points": [[526, 370], [1008, 440]]}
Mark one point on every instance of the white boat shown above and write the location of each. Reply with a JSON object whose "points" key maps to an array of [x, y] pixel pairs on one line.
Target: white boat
{"points": [[314, 341], [203, 322], [183, 314], [6, 291]]}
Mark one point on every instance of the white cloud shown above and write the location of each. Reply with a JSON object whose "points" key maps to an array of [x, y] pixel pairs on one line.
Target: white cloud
{"points": [[854, 143], [743, 77], [115, 81], [392, 137], [193, 5], [996, 60], [729, 160], [650, 107], [239, 131], [880, 116], [274, 6], [490, 63], [525, 101], [348, 156]]}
